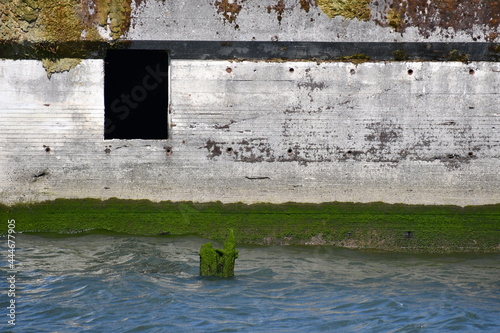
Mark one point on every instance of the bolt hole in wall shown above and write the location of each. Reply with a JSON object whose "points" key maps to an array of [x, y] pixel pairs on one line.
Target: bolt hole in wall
{"points": [[410, 72], [136, 94]]}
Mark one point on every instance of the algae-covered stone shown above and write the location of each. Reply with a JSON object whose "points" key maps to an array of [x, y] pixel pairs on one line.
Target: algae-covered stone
{"points": [[217, 262]]}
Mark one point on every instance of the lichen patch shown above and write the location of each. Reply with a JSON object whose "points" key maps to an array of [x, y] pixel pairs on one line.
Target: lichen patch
{"points": [[349, 9], [59, 65]]}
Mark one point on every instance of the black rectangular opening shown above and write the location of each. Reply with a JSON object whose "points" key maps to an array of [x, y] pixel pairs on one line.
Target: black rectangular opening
{"points": [[136, 94]]}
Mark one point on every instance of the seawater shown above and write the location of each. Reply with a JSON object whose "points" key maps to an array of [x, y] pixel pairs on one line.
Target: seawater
{"points": [[117, 283]]}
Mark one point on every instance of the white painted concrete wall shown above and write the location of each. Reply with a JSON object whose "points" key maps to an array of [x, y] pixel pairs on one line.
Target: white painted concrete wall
{"points": [[368, 132]]}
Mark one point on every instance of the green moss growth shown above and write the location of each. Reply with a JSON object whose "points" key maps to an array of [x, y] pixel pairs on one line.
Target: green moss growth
{"points": [[456, 55], [48, 24], [59, 21], [59, 65], [400, 55], [409, 228], [216, 262], [62, 20], [495, 51], [357, 58], [395, 19], [350, 9], [495, 48], [118, 13]]}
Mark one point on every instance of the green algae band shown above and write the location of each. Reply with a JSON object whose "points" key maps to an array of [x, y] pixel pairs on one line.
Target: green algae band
{"points": [[216, 262], [381, 226]]}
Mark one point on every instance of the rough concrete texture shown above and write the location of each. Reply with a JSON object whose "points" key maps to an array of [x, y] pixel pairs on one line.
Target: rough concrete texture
{"points": [[320, 20], [245, 20], [409, 132]]}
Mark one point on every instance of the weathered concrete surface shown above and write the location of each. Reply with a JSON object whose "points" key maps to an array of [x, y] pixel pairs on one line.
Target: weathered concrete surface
{"points": [[293, 20], [261, 131], [245, 20]]}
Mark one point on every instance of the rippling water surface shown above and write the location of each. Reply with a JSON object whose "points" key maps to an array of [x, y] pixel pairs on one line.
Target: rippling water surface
{"points": [[116, 283]]}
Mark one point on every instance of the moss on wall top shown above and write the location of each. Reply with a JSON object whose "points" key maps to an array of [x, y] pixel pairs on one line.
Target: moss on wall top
{"points": [[350, 9], [63, 20], [46, 22], [91, 20]]}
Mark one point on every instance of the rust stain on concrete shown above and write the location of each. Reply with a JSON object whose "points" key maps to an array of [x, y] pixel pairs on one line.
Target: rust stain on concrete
{"points": [[459, 15]]}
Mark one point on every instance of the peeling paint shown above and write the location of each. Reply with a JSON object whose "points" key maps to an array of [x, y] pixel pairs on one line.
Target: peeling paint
{"points": [[213, 148]]}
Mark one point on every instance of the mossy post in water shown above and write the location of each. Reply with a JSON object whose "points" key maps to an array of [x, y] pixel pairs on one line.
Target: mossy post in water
{"points": [[217, 262]]}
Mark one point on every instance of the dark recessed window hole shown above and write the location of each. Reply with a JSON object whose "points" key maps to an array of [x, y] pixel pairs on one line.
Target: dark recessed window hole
{"points": [[136, 94], [410, 72], [349, 152]]}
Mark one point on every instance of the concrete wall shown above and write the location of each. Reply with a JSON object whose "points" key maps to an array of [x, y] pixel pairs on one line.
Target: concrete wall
{"points": [[261, 131], [313, 20], [253, 20]]}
